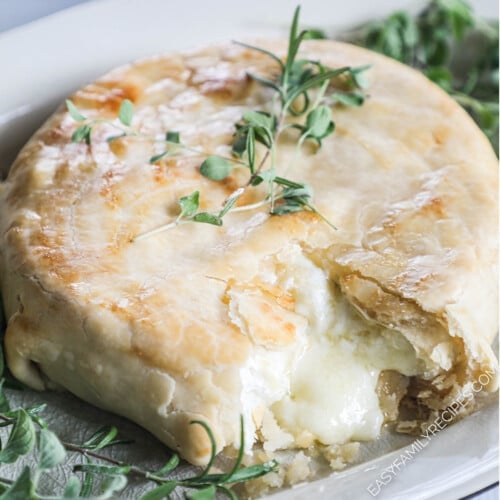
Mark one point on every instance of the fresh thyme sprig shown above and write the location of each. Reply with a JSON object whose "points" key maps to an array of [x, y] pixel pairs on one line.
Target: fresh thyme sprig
{"points": [[305, 92], [452, 46], [24, 438]]}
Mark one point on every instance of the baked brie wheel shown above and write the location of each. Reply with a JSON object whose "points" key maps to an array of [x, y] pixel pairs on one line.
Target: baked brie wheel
{"points": [[315, 336]]}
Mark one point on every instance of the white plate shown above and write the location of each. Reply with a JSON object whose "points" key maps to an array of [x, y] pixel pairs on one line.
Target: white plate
{"points": [[46, 60]]}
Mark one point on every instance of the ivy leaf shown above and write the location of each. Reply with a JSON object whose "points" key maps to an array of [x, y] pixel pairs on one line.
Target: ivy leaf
{"points": [[207, 218], [82, 133], [73, 111], [189, 205], [21, 439], [126, 112], [52, 452], [160, 492], [215, 168], [203, 494], [21, 489]]}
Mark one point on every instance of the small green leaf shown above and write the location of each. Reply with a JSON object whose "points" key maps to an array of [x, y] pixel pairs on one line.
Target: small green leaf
{"points": [[259, 119], [359, 77], [82, 133], [87, 485], [126, 112], [289, 207], [230, 202], [314, 81], [169, 466], [349, 99], [51, 450], [173, 137], [250, 148], [21, 439], [207, 218], [73, 111], [161, 492], [215, 168], [254, 471], [295, 192], [189, 204], [318, 122], [22, 489], [157, 157], [239, 145], [203, 494], [268, 176], [72, 488], [100, 439]]}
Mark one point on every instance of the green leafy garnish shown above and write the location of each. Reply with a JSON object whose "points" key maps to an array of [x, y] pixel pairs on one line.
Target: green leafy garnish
{"points": [[305, 92], [51, 451], [452, 46], [126, 112], [75, 114], [215, 168]]}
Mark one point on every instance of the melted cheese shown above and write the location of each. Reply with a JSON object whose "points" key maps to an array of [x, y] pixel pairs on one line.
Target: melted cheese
{"points": [[331, 396]]}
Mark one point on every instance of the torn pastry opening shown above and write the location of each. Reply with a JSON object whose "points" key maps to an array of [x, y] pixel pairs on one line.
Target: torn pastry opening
{"points": [[332, 373]]}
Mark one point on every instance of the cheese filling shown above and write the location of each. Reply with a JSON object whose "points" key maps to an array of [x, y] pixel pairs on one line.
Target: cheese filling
{"points": [[331, 392]]}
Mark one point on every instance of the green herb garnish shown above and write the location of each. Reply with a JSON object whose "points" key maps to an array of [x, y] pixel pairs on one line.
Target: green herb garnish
{"points": [[305, 91], [452, 46], [25, 438]]}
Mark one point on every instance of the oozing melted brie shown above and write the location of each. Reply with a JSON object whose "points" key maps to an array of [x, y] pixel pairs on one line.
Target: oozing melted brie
{"points": [[330, 394]]}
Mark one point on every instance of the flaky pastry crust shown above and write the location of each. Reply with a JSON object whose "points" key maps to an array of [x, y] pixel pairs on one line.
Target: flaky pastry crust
{"points": [[161, 330]]}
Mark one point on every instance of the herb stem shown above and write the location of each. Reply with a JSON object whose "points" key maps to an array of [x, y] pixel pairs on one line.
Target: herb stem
{"points": [[159, 229]]}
